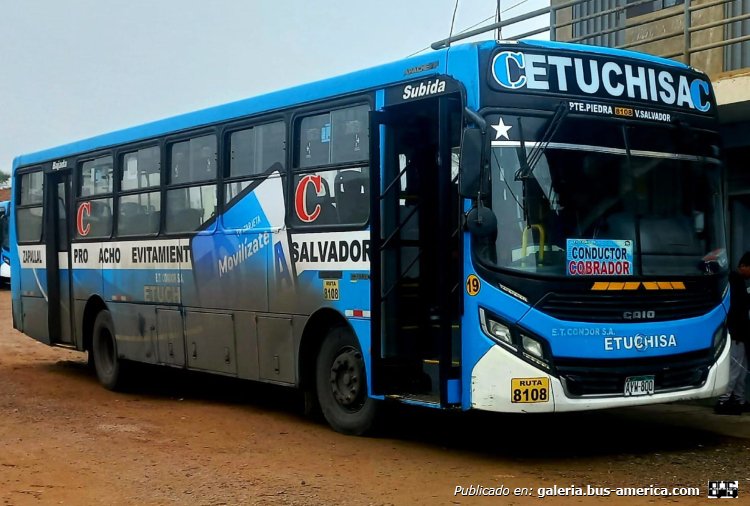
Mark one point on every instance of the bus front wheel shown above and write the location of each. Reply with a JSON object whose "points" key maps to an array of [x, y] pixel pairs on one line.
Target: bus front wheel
{"points": [[341, 384], [109, 368]]}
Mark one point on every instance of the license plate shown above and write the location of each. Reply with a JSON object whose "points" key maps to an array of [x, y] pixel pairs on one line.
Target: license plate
{"points": [[528, 390], [639, 385]]}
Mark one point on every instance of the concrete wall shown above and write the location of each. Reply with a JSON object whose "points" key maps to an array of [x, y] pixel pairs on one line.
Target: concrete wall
{"points": [[562, 16]]}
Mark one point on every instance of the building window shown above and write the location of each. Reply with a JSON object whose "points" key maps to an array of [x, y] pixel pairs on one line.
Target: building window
{"points": [[645, 8]]}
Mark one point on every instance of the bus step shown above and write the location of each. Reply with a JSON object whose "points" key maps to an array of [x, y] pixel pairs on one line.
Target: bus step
{"points": [[428, 400], [435, 362]]}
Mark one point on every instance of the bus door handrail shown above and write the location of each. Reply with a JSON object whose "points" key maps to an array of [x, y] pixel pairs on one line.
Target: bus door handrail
{"points": [[525, 240]]}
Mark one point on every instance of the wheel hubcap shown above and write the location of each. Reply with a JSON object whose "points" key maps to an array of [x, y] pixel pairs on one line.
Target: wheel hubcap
{"points": [[346, 379]]}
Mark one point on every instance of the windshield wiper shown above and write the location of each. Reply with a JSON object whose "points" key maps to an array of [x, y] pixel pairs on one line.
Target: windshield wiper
{"points": [[529, 162]]}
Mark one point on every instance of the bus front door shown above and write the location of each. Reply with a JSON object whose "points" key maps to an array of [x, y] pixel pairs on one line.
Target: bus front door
{"points": [[415, 241], [58, 259]]}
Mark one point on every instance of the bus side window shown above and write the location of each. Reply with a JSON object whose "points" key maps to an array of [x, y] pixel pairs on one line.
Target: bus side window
{"points": [[332, 197], [94, 218], [30, 211], [139, 214], [324, 195], [96, 177], [254, 153], [94, 207], [193, 162], [352, 196], [189, 208], [179, 171], [140, 169], [349, 135], [316, 206]]}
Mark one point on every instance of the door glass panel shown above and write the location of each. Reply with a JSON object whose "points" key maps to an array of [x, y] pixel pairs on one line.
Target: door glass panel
{"points": [[62, 217]]}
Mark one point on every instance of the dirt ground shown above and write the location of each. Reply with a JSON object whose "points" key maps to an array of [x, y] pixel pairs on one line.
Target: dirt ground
{"points": [[180, 438]]}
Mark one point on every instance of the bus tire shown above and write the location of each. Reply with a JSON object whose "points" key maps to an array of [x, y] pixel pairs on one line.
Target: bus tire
{"points": [[110, 370], [341, 384]]}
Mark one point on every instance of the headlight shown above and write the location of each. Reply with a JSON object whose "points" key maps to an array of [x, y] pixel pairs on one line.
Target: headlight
{"points": [[495, 329], [6, 260], [530, 349], [532, 346], [533, 351]]}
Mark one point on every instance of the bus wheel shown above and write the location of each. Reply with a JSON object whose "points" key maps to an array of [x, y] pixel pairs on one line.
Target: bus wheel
{"points": [[341, 382], [109, 369]]}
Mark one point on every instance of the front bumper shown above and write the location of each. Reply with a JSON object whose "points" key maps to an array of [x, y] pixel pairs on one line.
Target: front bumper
{"points": [[492, 376]]}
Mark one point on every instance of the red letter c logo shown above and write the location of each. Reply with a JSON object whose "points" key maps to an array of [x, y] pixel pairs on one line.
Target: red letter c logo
{"points": [[83, 229], [300, 203]]}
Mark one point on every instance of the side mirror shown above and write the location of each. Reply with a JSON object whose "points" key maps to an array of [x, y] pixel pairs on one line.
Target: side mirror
{"points": [[481, 222], [470, 164]]}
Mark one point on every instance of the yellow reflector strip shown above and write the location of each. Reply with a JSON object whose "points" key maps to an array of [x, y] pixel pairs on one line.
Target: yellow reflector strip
{"points": [[635, 285]]}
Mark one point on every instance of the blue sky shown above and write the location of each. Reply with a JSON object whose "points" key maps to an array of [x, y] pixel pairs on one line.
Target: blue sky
{"points": [[79, 68]]}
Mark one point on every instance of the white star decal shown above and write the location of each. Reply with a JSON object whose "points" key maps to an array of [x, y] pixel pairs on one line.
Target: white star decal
{"points": [[501, 129]]}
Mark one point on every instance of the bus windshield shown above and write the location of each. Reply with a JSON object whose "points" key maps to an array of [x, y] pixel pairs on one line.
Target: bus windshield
{"points": [[585, 209]]}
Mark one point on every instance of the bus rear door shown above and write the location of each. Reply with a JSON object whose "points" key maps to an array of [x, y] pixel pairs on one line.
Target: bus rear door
{"points": [[58, 188]]}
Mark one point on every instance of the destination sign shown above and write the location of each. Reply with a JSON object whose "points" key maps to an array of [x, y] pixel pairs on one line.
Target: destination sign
{"points": [[600, 76]]}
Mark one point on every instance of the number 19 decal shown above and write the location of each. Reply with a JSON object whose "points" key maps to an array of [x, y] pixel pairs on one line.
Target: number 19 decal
{"points": [[473, 285]]}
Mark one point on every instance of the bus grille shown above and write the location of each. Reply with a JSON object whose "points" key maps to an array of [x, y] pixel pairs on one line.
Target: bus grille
{"points": [[607, 377], [611, 308]]}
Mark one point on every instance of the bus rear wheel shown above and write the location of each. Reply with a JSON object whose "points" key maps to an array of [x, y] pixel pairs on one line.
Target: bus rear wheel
{"points": [[109, 368], [341, 384]]}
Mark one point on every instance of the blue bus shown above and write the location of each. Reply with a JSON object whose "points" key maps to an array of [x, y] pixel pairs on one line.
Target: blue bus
{"points": [[519, 227], [5, 245]]}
